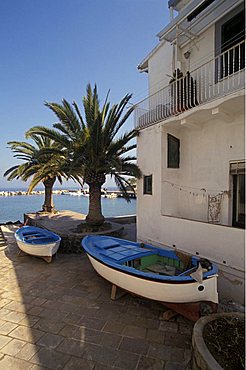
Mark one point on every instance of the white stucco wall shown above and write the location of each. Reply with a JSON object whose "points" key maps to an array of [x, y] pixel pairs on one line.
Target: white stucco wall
{"points": [[169, 217], [159, 66], [201, 50], [205, 153]]}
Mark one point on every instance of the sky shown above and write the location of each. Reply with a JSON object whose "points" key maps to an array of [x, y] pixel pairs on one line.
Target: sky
{"points": [[51, 49]]}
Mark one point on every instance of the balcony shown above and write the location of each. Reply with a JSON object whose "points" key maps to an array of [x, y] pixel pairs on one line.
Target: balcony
{"points": [[221, 76]]}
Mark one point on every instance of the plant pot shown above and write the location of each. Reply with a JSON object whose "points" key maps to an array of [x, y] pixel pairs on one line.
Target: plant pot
{"points": [[202, 359]]}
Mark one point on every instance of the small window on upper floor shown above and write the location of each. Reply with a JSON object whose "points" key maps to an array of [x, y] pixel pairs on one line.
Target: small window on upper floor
{"points": [[173, 151], [147, 186]]}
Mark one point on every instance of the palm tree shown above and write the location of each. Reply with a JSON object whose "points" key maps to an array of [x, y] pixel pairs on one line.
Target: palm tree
{"points": [[45, 161], [94, 145]]}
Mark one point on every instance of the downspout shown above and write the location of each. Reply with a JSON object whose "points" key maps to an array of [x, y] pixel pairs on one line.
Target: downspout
{"points": [[173, 54]]}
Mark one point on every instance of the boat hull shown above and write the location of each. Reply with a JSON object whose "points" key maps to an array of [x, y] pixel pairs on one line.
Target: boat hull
{"points": [[41, 250], [37, 242], [162, 291]]}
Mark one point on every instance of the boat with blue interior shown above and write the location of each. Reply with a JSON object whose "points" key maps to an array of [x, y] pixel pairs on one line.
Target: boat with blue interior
{"points": [[37, 241], [159, 274]]}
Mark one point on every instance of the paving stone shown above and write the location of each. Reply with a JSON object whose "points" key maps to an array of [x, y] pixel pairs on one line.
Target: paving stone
{"points": [[185, 328], [38, 301], [134, 345], [175, 366], [72, 347], [12, 363], [7, 327], [126, 360], [110, 340], [177, 340], [166, 353], [114, 327], [50, 340], [72, 318], [65, 304], [4, 340], [16, 306], [4, 302], [146, 363], [49, 326], [102, 355], [14, 317], [27, 334], [156, 336], [13, 347], [169, 326], [103, 367], [134, 331], [79, 363], [35, 310], [53, 315], [69, 331], [38, 367], [69, 308], [92, 323], [27, 351], [50, 358], [89, 335], [29, 320]]}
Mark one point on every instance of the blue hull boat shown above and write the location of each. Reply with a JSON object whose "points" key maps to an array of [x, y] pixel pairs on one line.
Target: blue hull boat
{"points": [[155, 273], [37, 242]]}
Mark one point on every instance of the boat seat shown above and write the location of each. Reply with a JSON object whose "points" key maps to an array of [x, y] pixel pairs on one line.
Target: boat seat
{"points": [[41, 241], [125, 252], [107, 243], [34, 236], [30, 235], [38, 237]]}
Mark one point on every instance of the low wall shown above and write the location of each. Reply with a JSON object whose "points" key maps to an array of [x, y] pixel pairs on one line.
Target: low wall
{"points": [[64, 223], [223, 245]]}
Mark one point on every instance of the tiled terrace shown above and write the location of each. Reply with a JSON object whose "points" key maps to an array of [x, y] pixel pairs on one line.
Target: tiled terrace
{"points": [[60, 316]]}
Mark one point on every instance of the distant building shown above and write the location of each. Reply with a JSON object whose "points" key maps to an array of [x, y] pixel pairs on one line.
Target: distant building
{"points": [[191, 137]]}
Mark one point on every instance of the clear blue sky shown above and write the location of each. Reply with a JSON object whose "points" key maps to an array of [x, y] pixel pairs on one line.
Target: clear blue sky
{"points": [[51, 49]]}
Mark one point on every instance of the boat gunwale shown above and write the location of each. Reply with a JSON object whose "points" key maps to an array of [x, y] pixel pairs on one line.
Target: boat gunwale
{"points": [[46, 233], [147, 275]]}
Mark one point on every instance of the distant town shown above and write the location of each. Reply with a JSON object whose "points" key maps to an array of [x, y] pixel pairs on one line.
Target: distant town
{"points": [[85, 192]]}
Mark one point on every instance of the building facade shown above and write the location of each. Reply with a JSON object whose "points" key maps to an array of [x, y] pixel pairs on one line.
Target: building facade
{"points": [[191, 138]]}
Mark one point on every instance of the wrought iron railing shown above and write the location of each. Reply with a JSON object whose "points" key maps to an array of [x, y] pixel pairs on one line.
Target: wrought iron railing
{"points": [[219, 77]]}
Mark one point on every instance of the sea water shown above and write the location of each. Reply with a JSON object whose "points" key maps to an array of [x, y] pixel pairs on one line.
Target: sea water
{"points": [[12, 208]]}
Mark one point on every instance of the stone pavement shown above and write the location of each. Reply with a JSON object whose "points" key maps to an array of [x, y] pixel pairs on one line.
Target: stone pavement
{"points": [[60, 316]]}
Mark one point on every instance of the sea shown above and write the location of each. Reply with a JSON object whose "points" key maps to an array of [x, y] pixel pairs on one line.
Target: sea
{"points": [[12, 208]]}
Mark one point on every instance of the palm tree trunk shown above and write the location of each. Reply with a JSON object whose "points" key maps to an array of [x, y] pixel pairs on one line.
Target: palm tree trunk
{"points": [[95, 216], [48, 205]]}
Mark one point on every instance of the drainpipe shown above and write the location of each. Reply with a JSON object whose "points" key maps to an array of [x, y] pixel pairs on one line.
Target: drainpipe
{"points": [[173, 56], [171, 13]]}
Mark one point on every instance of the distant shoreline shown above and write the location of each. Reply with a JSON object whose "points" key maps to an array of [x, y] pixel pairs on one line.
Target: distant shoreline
{"points": [[105, 193], [11, 193]]}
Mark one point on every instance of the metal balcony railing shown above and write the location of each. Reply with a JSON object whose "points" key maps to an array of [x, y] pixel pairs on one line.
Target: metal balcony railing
{"points": [[219, 77]]}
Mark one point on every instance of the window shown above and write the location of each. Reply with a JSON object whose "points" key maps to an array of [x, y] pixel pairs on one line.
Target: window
{"points": [[173, 145], [237, 170], [229, 37], [147, 185]]}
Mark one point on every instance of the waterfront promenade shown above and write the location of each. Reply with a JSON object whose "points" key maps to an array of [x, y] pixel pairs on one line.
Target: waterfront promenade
{"points": [[60, 316]]}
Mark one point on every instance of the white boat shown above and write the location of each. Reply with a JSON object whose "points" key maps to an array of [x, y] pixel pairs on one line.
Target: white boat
{"points": [[151, 272], [37, 242]]}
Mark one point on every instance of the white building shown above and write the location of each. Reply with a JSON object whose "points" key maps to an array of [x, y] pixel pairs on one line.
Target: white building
{"points": [[191, 138]]}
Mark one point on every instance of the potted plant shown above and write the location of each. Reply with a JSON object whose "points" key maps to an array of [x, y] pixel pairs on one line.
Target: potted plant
{"points": [[218, 342]]}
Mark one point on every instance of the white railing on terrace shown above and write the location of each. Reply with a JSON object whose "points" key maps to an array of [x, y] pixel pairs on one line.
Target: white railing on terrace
{"points": [[219, 77]]}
